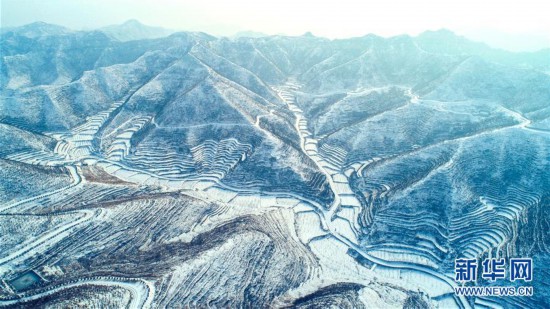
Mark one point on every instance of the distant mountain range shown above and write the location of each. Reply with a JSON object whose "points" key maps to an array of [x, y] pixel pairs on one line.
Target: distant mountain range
{"points": [[127, 31], [134, 30]]}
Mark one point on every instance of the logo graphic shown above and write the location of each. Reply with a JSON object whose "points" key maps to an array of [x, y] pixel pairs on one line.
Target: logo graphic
{"points": [[493, 269]]}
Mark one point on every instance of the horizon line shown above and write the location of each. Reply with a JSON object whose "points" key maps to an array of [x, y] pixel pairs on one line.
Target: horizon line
{"points": [[260, 34]]}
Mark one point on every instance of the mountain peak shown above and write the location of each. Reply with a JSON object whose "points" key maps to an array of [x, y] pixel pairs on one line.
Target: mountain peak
{"points": [[442, 33], [39, 28], [132, 22], [448, 42], [133, 29]]}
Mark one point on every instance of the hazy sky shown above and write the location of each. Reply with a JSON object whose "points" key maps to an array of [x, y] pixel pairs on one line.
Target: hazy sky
{"points": [[525, 23]]}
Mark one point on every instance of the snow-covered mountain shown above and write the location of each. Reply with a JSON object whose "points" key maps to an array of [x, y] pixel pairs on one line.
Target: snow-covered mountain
{"points": [[134, 30], [35, 30], [145, 168]]}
